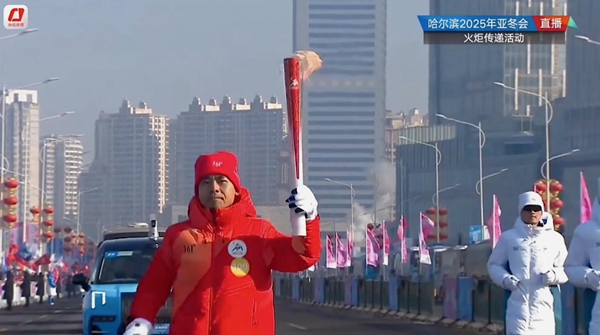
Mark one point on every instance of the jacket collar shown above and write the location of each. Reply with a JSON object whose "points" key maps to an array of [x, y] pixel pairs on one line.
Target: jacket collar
{"points": [[221, 219]]}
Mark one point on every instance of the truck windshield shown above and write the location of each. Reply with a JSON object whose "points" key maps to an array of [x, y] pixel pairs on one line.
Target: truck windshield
{"points": [[124, 266]]}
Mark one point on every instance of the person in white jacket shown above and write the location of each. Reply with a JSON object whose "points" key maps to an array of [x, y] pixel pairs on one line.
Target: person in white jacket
{"points": [[583, 263], [527, 260]]}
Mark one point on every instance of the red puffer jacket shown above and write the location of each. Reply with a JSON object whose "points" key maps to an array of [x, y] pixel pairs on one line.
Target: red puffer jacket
{"points": [[218, 265]]}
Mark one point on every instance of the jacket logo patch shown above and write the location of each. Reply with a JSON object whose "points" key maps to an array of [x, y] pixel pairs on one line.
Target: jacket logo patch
{"points": [[188, 249], [515, 248]]}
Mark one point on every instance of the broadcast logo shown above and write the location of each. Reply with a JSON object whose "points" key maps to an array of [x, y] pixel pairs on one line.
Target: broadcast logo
{"points": [[16, 17]]}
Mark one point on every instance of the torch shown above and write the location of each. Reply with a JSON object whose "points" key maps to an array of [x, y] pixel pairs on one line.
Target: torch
{"points": [[297, 69]]}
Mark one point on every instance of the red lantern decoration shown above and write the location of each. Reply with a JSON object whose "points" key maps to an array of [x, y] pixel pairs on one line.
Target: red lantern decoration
{"points": [[540, 187], [10, 218], [67, 230], [556, 186], [11, 183], [34, 210], [82, 252], [67, 248], [443, 224], [559, 221], [443, 236], [443, 211], [81, 235], [57, 230], [48, 223], [49, 210], [556, 204], [370, 226], [11, 201], [48, 235], [430, 211], [82, 243], [431, 236], [67, 239]]}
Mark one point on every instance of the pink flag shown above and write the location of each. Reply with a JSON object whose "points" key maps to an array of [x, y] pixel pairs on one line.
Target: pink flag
{"points": [[585, 209], [350, 241], [331, 263], [494, 225], [386, 244], [426, 227], [372, 248], [342, 252], [402, 239]]}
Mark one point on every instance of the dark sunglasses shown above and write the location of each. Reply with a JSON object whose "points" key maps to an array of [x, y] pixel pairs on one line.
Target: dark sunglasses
{"points": [[532, 208]]}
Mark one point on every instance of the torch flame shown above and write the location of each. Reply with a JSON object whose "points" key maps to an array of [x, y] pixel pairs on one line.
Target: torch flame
{"points": [[310, 62]]}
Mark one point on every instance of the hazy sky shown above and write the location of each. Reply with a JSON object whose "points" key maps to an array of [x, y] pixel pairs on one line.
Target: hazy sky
{"points": [[167, 52]]}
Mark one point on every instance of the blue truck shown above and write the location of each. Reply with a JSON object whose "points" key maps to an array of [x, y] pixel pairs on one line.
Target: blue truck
{"points": [[122, 261]]}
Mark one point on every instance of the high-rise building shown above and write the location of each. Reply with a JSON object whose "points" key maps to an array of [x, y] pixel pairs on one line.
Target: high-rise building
{"points": [[128, 179], [21, 141], [253, 131], [461, 77], [62, 164], [344, 102]]}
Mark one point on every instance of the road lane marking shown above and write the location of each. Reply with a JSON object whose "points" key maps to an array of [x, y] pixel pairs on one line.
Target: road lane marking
{"points": [[24, 323], [297, 326], [57, 311], [3, 330], [43, 316]]}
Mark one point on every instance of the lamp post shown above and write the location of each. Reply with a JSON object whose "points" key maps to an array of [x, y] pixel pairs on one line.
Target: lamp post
{"points": [[587, 39], [481, 137], [477, 185], [25, 143], [549, 113], [545, 172], [78, 228], [352, 194], [438, 161], [24, 32]]}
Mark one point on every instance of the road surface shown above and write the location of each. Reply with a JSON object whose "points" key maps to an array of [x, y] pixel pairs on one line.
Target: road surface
{"points": [[64, 318], [302, 319]]}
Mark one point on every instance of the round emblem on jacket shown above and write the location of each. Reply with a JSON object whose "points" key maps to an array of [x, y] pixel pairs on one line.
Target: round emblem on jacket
{"points": [[237, 249], [240, 267]]}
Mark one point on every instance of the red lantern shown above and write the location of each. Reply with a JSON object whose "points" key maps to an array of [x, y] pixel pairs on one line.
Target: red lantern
{"points": [[559, 221], [34, 210], [48, 223], [540, 187], [443, 224], [82, 252], [10, 218], [556, 186], [67, 248], [67, 239], [11, 183], [67, 230], [443, 236], [49, 210], [57, 230], [48, 235], [430, 211], [81, 235], [370, 226], [11, 201], [556, 204], [82, 243], [443, 211], [432, 236]]}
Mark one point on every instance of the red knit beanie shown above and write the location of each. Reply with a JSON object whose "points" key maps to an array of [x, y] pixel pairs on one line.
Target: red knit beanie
{"points": [[222, 163]]}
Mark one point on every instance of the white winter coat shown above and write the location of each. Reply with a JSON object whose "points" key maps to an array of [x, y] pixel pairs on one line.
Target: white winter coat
{"points": [[528, 252], [584, 256]]}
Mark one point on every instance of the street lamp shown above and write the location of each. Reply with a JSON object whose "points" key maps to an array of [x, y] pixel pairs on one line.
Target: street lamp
{"points": [[549, 113], [24, 32], [477, 185], [434, 199], [587, 39], [438, 161], [5, 93], [24, 140], [546, 173], [481, 136], [79, 205], [352, 194]]}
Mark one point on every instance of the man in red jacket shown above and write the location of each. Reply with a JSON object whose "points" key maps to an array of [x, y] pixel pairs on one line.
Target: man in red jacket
{"points": [[217, 265]]}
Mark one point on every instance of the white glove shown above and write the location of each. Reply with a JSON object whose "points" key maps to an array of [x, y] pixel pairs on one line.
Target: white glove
{"points": [[139, 327], [511, 283], [549, 278], [593, 280], [302, 200]]}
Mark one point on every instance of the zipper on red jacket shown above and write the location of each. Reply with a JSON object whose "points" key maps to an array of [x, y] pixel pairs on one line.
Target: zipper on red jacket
{"points": [[212, 278]]}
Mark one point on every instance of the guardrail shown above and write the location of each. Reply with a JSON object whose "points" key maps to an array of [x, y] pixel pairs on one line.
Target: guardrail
{"points": [[462, 302]]}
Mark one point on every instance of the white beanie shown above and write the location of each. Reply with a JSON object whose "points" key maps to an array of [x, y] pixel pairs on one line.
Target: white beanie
{"points": [[530, 198]]}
